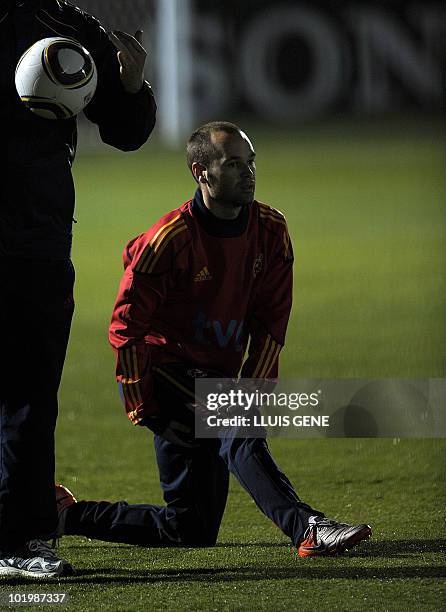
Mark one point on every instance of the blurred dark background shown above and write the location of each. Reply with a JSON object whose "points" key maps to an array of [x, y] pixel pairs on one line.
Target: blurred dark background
{"points": [[286, 62]]}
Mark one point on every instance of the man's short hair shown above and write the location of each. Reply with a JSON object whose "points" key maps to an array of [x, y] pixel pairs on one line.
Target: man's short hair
{"points": [[199, 147]]}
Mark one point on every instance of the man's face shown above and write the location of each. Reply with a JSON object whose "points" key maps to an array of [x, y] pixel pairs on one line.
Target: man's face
{"points": [[231, 176]]}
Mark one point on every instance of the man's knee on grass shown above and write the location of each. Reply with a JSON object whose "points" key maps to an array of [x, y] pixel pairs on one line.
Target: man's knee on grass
{"points": [[195, 531]]}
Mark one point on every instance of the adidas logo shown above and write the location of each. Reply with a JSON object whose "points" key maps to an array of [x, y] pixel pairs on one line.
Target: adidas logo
{"points": [[203, 275]]}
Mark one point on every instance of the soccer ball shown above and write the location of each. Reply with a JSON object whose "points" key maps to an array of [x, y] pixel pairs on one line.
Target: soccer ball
{"points": [[56, 78]]}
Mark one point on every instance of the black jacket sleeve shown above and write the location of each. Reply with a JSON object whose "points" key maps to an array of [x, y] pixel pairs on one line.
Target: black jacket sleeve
{"points": [[125, 120]]}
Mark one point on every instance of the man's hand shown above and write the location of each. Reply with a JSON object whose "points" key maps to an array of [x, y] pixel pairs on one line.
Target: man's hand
{"points": [[171, 430], [131, 58], [179, 434]]}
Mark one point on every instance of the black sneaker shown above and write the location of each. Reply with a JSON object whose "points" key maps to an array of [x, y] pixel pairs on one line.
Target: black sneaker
{"points": [[327, 537], [35, 559]]}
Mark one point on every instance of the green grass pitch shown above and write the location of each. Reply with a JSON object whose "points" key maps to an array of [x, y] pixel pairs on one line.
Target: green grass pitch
{"points": [[366, 211]]}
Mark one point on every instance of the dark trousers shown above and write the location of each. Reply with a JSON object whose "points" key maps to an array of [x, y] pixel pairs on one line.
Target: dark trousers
{"points": [[195, 486], [36, 307]]}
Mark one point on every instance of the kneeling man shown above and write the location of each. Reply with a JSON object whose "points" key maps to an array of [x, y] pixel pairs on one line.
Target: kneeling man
{"points": [[209, 282]]}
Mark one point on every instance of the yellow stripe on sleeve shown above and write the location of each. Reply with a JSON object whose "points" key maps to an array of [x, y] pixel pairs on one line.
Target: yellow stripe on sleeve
{"points": [[262, 356], [157, 238], [156, 242], [156, 255], [135, 362], [268, 359], [130, 381], [271, 361]]}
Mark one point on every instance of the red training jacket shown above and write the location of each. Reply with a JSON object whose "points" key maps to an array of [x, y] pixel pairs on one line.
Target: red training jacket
{"points": [[190, 296]]}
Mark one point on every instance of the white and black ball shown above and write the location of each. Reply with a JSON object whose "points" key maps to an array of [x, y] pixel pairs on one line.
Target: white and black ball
{"points": [[56, 78]]}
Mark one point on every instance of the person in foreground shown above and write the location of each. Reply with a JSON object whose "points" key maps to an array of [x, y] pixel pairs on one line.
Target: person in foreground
{"points": [[36, 298], [202, 281]]}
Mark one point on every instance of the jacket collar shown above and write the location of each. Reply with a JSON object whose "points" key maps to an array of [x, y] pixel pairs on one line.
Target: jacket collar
{"points": [[221, 228]]}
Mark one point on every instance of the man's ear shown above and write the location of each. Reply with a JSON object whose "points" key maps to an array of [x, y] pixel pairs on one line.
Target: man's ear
{"points": [[199, 172]]}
